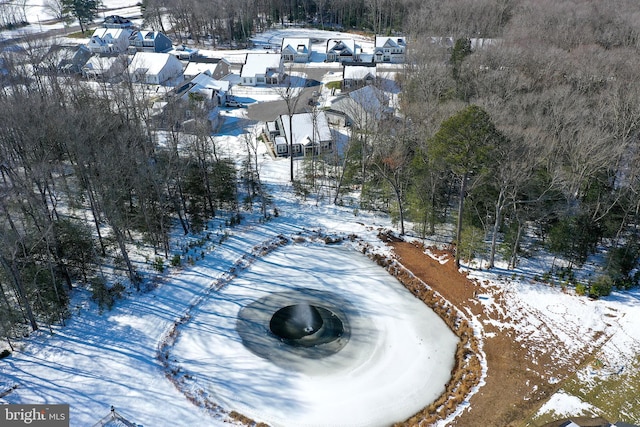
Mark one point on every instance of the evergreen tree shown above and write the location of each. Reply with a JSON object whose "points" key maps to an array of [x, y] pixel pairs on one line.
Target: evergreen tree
{"points": [[84, 11], [465, 142]]}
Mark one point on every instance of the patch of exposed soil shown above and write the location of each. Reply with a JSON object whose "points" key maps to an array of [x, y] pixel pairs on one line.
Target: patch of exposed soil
{"points": [[518, 372]]}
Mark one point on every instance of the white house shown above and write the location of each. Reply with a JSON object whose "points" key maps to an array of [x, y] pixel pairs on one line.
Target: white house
{"points": [[154, 68], [216, 68], [342, 50], [389, 49], [355, 76], [262, 69], [212, 90], [310, 134], [296, 49], [364, 107], [109, 40], [104, 67]]}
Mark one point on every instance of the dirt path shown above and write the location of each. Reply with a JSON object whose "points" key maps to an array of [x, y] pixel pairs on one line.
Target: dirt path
{"points": [[514, 384]]}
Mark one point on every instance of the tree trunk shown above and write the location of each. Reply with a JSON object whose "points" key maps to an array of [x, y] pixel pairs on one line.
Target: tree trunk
{"points": [[125, 255], [291, 143], [19, 286], [463, 189], [496, 227], [514, 252]]}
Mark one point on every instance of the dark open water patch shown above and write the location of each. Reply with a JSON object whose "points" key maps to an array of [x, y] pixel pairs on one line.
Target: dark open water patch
{"points": [[288, 327]]}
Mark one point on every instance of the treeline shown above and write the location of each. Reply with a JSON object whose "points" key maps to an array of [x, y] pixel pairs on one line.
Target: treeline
{"points": [[83, 178], [227, 21], [527, 142]]}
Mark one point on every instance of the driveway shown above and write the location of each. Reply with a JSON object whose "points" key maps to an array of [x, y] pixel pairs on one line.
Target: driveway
{"points": [[270, 110]]}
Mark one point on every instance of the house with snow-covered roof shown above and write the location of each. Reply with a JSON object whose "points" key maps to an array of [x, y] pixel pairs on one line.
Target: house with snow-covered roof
{"points": [[296, 49], [309, 134], [389, 49], [154, 68], [365, 108], [149, 41], [194, 105], [262, 69], [214, 67], [116, 21], [342, 50], [104, 67], [65, 59], [357, 75], [206, 87], [109, 40]]}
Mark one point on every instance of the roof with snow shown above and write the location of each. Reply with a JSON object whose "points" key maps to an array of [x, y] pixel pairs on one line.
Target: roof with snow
{"points": [[383, 41], [195, 68], [341, 46], [260, 63], [358, 72], [207, 81], [150, 62], [113, 33], [303, 127], [144, 35], [369, 98], [103, 63], [116, 21], [297, 45]]}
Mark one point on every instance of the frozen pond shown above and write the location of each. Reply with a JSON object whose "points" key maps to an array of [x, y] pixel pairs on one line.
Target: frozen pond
{"points": [[377, 354]]}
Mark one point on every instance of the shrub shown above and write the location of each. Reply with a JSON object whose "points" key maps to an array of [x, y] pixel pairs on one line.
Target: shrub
{"points": [[581, 289], [471, 244], [176, 261], [333, 85], [5, 353], [106, 296], [601, 287], [620, 264], [158, 264]]}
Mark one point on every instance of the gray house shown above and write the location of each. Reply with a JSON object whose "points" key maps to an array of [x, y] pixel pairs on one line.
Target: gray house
{"points": [[149, 41], [296, 49], [342, 50], [115, 21], [357, 75], [389, 49], [309, 134]]}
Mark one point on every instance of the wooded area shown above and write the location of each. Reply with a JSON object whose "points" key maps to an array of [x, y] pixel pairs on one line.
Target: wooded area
{"points": [[84, 174], [528, 142]]}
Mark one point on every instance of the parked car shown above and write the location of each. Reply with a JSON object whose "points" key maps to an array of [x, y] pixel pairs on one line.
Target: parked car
{"points": [[234, 104]]}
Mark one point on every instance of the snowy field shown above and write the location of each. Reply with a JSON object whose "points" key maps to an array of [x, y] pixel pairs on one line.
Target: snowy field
{"points": [[41, 19], [111, 358]]}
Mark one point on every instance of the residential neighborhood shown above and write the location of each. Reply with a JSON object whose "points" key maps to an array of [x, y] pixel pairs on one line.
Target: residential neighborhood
{"points": [[119, 50]]}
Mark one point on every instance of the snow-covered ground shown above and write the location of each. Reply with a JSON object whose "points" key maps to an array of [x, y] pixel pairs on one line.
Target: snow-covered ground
{"points": [[99, 360], [397, 346], [111, 358], [42, 19]]}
